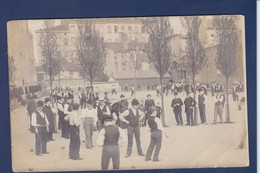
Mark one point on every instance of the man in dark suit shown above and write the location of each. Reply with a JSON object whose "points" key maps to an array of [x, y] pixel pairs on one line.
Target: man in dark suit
{"points": [[49, 114], [189, 103], [148, 104], [201, 100], [176, 105]]}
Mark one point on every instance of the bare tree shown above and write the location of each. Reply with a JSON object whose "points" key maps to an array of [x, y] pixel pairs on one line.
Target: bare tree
{"points": [[51, 60], [90, 50], [195, 54], [159, 49], [135, 60], [227, 40]]}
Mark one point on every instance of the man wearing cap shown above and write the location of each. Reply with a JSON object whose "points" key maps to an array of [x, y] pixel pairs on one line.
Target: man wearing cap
{"points": [[47, 110], [177, 110], [65, 124], [132, 117], [41, 127], [149, 103], [108, 138], [189, 103], [89, 117], [201, 101], [102, 112], [156, 130], [74, 122]]}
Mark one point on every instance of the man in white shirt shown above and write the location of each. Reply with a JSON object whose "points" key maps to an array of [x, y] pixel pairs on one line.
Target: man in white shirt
{"points": [[219, 104], [74, 121], [156, 130], [89, 118], [132, 117], [102, 112], [41, 127], [109, 138]]}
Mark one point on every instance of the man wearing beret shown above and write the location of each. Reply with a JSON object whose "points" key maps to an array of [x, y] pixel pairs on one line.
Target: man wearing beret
{"points": [[74, 122], [41, 127], [177, 110], [50, 116], [109, 138], [132, 117], [189, 103]]}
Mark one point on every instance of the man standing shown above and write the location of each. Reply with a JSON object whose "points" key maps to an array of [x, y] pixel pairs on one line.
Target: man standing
{"points": [[89, 117], [122, 106], [83, 99], [176, 105], [31, 108], [108, 138], [149, 103], [65, 124], [74, 122], [156, 129], [60, 111], [102, 112], [41, 127], [202, 100], [219, 104], [189, 105], [132, 117], [49, 114]]}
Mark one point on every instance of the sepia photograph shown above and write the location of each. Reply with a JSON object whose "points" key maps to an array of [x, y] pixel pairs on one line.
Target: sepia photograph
{"points": [[128, 93]]}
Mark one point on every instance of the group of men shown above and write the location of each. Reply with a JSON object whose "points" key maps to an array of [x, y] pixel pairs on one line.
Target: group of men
{"points": [[109, 122]]}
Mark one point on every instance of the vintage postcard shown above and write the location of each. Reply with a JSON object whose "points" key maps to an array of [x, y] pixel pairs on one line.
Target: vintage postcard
{"points": [[128, 93]]}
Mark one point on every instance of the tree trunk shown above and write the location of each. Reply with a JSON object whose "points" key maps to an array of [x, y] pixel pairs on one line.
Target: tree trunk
{"points": [[227, 116], [59, 79], [163, 117], [195, 107], [51, 96], [135, 88]]}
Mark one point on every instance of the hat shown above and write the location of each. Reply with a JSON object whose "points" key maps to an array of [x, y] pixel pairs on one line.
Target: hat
{"points": [[149, 95], [175, 93], [47, 100], [40, 103], [122, 95], [75, 106], [135, 102], [106, 119]]}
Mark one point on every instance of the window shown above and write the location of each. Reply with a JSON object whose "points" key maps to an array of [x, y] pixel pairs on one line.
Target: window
{"points": [[116, 29], [109, 29]]}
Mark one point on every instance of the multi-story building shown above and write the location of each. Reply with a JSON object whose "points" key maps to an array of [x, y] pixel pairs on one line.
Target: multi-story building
{"points": [[20, 48]]}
